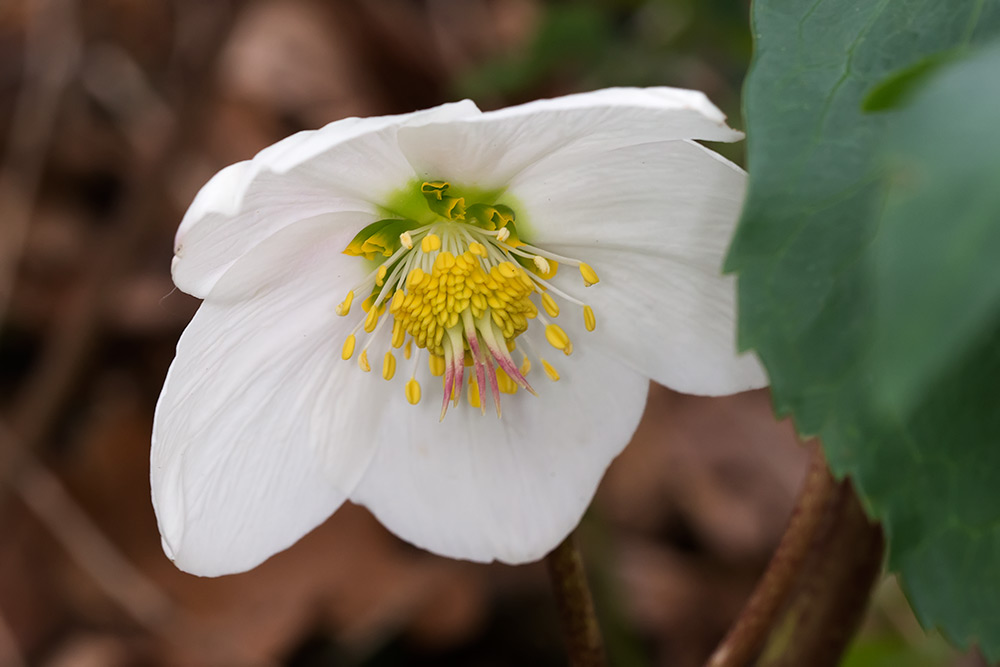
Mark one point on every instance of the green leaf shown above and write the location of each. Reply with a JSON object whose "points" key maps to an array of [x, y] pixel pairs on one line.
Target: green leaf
{"points": [[937, 255], [818, 186], [900, 86]]}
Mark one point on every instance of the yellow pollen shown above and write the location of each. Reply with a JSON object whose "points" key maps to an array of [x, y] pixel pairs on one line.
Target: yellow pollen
{"points": [[413, 391], [542, 264], [398, 334], [550, 305], [477, 249], [363, 361], [348, 351], [505, 383], [589, 275], [589, 320], [345, 307], [503, 234], [406, 240], [474, 400], [551, 372], [461, 290], [557, 337], [371, 320], [380, 277], [388, 366], [430, 243], [436, 364]]}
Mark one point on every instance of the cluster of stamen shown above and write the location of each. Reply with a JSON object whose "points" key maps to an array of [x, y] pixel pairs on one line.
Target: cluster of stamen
{"points": [[459, 287]]}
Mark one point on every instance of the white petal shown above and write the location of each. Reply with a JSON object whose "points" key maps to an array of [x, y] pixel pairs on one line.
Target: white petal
{"points": [[654, 220], [490, 149], [255, 404], [349, 165], [483, 489]]}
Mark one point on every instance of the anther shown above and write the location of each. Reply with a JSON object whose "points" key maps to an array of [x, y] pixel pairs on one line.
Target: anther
{"points": [[348, 351], [589, 275], [474, 399], [550, 305], [363, 361], [503, 234], [406, 240], [413, 391], [556, 336], [380, 277], [388, 366], [430, 243], [541, 263], [345, 307], [550, 371], [477, 248], [436, 364], [371, 320], [589, 320]]}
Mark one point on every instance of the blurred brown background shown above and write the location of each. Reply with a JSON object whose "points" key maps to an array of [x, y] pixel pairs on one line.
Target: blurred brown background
{"points": [[113, 113]]}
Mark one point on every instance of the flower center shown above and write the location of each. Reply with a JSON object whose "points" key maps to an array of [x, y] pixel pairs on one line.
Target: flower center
{"points": [[463, 287]]}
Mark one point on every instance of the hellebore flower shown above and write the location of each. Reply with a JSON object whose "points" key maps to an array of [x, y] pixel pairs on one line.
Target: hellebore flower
{"points": [[362, 280]]}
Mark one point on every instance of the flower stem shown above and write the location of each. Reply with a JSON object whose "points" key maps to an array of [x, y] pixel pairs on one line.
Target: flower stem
{"points": [[751, 628], [833, 590], [581, 630]]}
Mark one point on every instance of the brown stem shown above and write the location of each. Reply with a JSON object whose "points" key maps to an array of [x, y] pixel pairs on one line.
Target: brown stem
{"points": [[584, 643], [751, 628], [833, 589]]}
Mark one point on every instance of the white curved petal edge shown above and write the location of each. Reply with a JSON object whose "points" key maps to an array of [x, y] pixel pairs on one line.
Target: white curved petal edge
{"points": [[482, 489], [254, 403], [655, 221], [348, 165], [491, 149]]}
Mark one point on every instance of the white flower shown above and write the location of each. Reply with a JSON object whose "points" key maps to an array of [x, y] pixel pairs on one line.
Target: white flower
{"points": [[456, 220]]}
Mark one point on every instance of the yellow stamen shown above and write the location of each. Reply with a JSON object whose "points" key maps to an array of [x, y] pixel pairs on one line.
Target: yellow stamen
{"points": [[477, 249], [388, 366], [408, 350], [551, 372], [550, 305], [474, 393], [589, 275], [345, 307], [363, 361], [525, 367], [380, 277], [413, 391], [348, 350], [556, 336], [398, 334], [371, 320], [589, 320], [568, 350], [436, 364], [542, 264], [504, 381], [430, 243]]}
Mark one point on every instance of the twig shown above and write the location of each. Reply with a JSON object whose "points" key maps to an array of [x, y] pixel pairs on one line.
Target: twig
{"points": [[751, 628], [52, 47], [10, 653], [46, 497], [576, 605]]}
